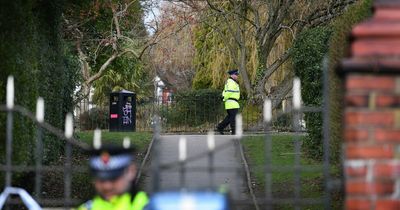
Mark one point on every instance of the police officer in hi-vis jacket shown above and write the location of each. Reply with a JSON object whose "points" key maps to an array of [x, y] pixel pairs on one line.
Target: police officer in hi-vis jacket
{"points": [[114, 172], [231, 95]]}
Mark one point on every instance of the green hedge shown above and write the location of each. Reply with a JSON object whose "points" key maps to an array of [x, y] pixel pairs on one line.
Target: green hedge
{"points": [[33, 51], [339, 49], [308, 53], [193, 108], [93, 119]]}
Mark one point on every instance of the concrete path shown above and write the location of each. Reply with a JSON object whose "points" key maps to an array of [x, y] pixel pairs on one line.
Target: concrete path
{"points": [[227, 165]]}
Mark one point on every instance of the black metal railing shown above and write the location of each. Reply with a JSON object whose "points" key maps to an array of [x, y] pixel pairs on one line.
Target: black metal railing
{"points": [[330, 185], [184, 115], [37, 168]]}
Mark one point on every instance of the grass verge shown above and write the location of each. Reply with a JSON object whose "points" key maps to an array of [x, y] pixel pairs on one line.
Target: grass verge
{"points": [[283, 155], [140, 140]]}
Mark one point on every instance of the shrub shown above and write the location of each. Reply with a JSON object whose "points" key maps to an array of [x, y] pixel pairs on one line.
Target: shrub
{"points": [[339, 43], [308, 53], [32, 49], [195, 107], [94, 118], [283, 122]]}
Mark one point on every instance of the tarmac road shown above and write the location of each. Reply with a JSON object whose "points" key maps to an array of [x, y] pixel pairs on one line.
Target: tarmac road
{"points": [[228, 170]]}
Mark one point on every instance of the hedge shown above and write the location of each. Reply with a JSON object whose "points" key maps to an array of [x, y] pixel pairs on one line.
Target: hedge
{"points": [[339, 49], [309, 50], [193, 108], [33, 51], [308, 53]]}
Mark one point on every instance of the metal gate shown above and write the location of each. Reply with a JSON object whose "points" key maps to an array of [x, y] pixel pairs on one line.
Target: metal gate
{"points": [[255, 200], [265, 198]]}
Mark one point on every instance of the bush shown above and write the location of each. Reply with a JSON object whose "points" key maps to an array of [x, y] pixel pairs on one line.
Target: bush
{"points": [[308, 53], [283, 122], [32, 49], [94, 118], [193, 108], [340, 45]]}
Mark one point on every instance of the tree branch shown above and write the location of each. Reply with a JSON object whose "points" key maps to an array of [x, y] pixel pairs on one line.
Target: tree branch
{"points": [[270, 70], [213, 7], [281, 91], [102, 69]]}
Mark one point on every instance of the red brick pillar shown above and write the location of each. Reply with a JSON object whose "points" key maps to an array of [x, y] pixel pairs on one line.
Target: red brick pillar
{"points": [[372, 112]]}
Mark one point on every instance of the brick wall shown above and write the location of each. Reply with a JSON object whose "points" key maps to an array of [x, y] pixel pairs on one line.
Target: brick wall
{"points": [[372, 112], [372, 141]]}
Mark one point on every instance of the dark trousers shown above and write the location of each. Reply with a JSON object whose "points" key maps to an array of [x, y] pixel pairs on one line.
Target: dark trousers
{"points": [[229, 119]]}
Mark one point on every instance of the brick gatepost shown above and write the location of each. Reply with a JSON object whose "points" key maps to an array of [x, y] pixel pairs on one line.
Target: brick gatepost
{"points": [[372, 111]]}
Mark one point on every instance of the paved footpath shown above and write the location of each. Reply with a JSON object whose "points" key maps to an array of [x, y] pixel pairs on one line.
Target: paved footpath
{"points": [[226, 158]]}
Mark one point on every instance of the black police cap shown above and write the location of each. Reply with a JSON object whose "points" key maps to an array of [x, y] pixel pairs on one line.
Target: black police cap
{"points": [[109, 162], [233, 71]]}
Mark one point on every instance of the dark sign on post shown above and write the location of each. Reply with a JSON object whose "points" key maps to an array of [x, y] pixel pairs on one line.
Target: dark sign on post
{"points": [[122, 111]]}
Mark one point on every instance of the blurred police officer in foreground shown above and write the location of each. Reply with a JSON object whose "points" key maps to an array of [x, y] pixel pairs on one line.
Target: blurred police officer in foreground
{"points": [[114, 172], [231, 95]]}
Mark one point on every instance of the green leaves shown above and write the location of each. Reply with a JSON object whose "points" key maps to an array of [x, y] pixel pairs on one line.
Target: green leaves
{"points": [[32, 49], [308, 53]]}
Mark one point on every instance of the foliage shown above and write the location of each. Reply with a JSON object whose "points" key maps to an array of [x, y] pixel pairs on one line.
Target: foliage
{"points": [[32, 49], [213, 54], [250, 112], [243, 34], [103, 47], [195, 107], [308, 53], [339, 43], [212, 58], [283, 122], [124, 74], [94, 118]]}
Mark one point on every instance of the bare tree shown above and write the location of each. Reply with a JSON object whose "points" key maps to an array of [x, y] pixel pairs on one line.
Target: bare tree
{"points": [[172, 57], [265, 21]]}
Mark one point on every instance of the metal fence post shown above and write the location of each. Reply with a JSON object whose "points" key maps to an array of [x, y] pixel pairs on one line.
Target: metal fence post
{"points": [[39, 147], [68, 153], [297, 145], [326, 135], [268, 162]]}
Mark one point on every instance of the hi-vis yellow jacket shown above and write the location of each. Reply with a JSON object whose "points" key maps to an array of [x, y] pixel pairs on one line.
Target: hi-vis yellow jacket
{"points": [[122, 202], [231, 94]]}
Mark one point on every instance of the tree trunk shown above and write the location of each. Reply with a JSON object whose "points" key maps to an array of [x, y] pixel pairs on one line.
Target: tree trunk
{"points": [[243, 71], [85, 100], [281, 91], [262, 57]]}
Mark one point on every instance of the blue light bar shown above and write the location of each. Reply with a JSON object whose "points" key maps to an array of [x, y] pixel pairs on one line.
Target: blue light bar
{"points": [[188, 201]]}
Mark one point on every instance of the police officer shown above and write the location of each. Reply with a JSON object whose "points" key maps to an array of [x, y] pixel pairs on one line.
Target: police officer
{"points": [[114, 172], [231, 95]]}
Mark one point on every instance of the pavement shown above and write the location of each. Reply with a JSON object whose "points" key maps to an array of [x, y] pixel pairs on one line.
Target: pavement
{"points": [[228, 171]]}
